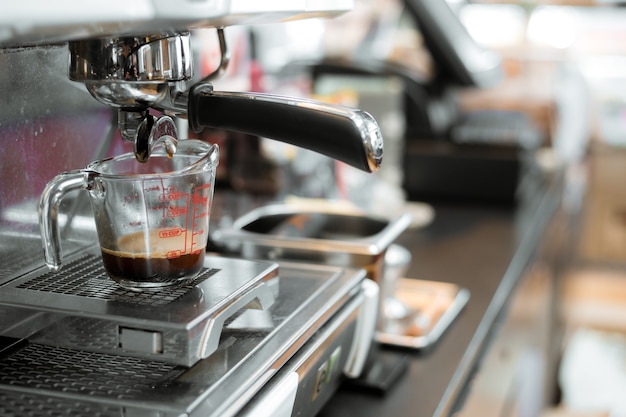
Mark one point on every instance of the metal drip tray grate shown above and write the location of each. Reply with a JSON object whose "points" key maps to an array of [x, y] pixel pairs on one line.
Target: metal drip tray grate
{"points": [[46, 381], [86, 277], [85, 309], [14, 260], [95, 374], [20, 254], [14, 404]]}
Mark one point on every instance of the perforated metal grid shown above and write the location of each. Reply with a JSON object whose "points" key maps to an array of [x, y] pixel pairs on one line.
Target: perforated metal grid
{"points": [[22, 254], [79, 333], [18, 404], [86, 277], [15, 257], [70, 371], [99, 335]]}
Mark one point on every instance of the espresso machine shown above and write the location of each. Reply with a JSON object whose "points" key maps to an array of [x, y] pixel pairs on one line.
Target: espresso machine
{"points": [[245, 337]]}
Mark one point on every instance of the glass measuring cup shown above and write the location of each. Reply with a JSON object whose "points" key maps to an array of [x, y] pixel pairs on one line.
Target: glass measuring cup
{"points": [[152, 218]]}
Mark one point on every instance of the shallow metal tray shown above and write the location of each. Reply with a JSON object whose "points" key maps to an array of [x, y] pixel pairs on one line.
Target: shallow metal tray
{"points": [[431, 307]]}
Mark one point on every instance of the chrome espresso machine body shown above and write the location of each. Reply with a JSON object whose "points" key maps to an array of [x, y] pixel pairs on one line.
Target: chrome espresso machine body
{"points": [[246, 337]]}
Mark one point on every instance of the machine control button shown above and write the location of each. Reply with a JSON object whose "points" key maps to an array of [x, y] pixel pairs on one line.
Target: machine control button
{"points": [[325, 372], [332, 362]]}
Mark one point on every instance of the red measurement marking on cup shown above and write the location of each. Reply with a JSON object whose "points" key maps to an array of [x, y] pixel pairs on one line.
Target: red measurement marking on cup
{"points": [[170, 233], [198, 197], [174, 254], [171, 194], [176, 211], [170, 197], [194, 235], [199, 200]]}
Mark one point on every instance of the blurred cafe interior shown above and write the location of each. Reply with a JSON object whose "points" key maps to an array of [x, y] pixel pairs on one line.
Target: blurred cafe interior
{"points": [[416, 208]]}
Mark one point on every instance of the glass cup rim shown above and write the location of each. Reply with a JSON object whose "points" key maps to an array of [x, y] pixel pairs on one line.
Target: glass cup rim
{"points": [[204, 157]]}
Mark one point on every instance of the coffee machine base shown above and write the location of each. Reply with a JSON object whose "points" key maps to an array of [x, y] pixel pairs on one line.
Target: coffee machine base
{"points": [[85, 309], [285, 358]]}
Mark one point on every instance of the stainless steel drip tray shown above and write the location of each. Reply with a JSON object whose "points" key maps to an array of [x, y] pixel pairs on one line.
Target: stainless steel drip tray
{"points": [[81, 307], [43, 380], [21, 253]]}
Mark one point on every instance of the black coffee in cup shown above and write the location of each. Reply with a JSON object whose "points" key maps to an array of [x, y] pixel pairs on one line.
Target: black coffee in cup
{"points": [[167, 262]]}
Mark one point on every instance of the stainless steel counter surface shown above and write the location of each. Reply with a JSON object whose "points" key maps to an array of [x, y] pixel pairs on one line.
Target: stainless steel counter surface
{"points": [[485, 249]]}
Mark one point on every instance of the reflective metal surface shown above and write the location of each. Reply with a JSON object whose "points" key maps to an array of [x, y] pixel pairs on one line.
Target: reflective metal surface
{"points": [[44, 377], [332, 237], [179, 325], [431, 307], [131, 71], [48, 125]]}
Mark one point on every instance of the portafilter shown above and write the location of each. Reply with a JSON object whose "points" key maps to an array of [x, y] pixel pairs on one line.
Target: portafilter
{"points": [[135, 74]]}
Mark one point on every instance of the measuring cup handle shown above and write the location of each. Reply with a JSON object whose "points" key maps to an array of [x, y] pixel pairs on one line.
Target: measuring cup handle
{"points": [[49, 204]]}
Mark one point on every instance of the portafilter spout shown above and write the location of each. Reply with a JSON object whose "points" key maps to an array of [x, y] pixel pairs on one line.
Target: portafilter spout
{"points": [[135, 74]]}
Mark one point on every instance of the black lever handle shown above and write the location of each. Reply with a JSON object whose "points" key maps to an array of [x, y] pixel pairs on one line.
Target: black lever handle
{"points": [[342, 133]]}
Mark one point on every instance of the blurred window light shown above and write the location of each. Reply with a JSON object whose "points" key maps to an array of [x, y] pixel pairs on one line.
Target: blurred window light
{"points": [[305, 34], [605, 69], [553, 26], [282, 43], [495, 25]]}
